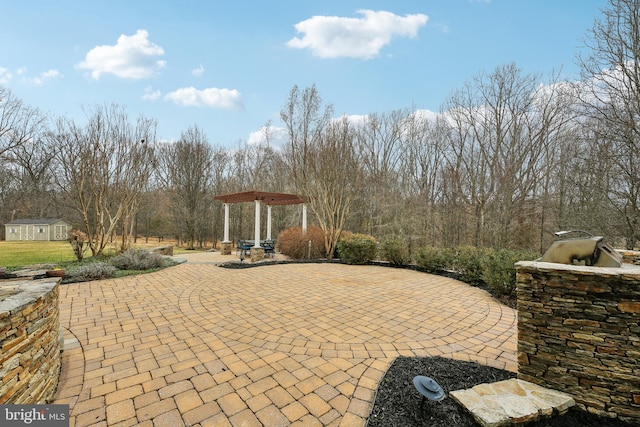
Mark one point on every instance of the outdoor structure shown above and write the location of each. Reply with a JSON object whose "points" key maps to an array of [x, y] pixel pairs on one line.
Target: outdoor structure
{"points": [[259, 198], [579, 333], [29, 339], [43, 229]]}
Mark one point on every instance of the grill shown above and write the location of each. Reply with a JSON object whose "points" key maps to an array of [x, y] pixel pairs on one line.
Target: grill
{"points": [[590, 250]]}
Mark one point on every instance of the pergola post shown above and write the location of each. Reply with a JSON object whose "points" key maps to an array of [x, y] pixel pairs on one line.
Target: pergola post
{"points": [[257, 251], [268, 222], [256, 242], [226, 223], [304, 218], [226, 244]]}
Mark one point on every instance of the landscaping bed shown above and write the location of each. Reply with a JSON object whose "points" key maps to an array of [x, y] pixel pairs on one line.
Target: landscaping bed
{"points": [[397, 401]]}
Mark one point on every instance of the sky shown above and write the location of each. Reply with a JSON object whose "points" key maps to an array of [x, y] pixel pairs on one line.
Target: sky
{"points": [[228, 67]]}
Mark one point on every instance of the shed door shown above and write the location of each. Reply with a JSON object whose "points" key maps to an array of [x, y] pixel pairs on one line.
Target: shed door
{"points": [[26, 232], [60, 232]]}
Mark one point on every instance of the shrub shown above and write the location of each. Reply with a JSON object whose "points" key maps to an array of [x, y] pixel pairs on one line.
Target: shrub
{"points": [[499, 271], [137, 259], [394, 250], [92, 271], [432, 259], [476, 266], [357, 248], [292, 243], [79, 242], [469, 262]]}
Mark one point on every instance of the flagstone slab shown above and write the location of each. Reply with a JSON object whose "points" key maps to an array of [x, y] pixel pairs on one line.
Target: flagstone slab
{"points": [[512, 401]]}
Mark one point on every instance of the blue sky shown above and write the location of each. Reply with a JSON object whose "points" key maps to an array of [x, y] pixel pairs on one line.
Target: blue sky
{"points": [[228, 66]]}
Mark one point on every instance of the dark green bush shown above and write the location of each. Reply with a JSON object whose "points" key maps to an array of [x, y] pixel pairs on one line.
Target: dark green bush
{"points": [[468, 261], [137, 259], [292, 243], [92, 271], [476, 266], [433, 260], [499, 271], [394, 250], [357, 248]]}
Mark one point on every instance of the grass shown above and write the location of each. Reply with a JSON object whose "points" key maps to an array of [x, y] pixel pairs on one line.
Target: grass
{"points": [[19, 254]]}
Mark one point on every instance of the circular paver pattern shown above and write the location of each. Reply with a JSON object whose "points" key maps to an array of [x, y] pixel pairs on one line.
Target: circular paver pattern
{"points": [[289, 344], [298, 306]]}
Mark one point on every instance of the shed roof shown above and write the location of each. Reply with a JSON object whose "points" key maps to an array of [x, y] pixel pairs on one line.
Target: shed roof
{"points": [[39, 221], [267, 198]]}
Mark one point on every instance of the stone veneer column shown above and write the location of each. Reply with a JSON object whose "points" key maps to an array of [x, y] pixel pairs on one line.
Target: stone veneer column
{"points": [[29, 342], [579, 332]]}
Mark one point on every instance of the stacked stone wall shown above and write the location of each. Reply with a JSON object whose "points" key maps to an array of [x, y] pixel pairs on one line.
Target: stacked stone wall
{"points": [[579, 332], [29, 342], [630, 257]]}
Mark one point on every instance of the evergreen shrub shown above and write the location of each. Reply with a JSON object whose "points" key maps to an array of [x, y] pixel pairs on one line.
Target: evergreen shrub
{"points": [[356, 248], [394, 250]]}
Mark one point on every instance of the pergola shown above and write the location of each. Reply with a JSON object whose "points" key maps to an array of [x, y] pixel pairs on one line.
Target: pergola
{"points": [[260, 197]]}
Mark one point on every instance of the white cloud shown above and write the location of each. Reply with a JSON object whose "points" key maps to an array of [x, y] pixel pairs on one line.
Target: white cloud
{"points": [[276, 136], [198, 71], [364, 37], [210, 97], [44, 76], [5, 75], [150, 94], [428, 115], [132, 57]]}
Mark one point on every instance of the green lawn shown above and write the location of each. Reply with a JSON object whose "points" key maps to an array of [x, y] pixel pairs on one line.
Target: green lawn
{"points": [[16, 254]]}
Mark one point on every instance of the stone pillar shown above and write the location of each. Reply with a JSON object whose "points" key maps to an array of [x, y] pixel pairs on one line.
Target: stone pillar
{"points": [[578, 330], [256, 254], [226, 248]]}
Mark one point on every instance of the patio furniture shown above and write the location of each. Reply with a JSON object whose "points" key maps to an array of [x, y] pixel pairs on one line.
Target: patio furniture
{"points": [[269, 249], [243, 248]]}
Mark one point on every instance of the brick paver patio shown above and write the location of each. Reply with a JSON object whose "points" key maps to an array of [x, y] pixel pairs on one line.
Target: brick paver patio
{"points": [[295, 344]]}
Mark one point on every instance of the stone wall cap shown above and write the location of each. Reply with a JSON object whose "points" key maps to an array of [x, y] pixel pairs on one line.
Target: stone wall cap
{"points": [[624, 270], [26, 291]]}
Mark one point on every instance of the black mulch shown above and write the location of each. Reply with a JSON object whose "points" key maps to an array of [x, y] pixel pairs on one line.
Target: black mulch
{"points": [[398, 402]]}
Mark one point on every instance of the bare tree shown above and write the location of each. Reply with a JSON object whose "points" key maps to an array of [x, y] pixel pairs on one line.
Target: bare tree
{"points": [[611, 75], [421, 178], [103, 168], [379, 140], [186, 173], [18, 122], [503, 127], [33, 161], [322, 160], [334, 180]]}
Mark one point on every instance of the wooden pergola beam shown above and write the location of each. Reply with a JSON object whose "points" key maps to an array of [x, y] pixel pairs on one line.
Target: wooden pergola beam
{"points": [[268, 198]]}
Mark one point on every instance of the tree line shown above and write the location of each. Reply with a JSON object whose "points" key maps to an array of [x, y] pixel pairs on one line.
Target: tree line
{"points": [[510, 158]]}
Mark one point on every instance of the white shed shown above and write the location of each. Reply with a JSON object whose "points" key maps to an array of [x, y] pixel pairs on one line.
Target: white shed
{"points": [[37, 229]]}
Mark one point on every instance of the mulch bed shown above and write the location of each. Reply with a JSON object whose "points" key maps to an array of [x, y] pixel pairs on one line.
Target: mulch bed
{"points": [[398, 402]]}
